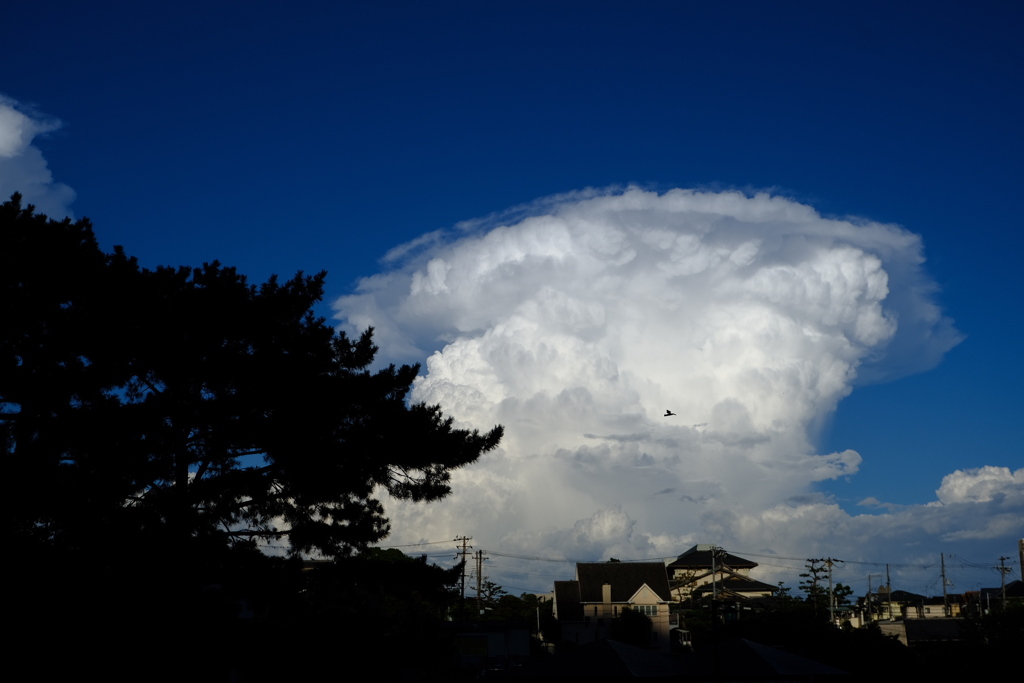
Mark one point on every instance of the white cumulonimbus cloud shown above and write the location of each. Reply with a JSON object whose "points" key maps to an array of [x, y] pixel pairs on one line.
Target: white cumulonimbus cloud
{"points": [[578, 324], [22, 165]]}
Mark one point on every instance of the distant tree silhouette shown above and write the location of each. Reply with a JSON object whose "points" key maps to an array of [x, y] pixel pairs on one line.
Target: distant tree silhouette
{"points": [[490, 594]]}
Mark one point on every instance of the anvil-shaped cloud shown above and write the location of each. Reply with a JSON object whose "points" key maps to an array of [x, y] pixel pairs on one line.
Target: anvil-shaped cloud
{"points": [[580, 320]]}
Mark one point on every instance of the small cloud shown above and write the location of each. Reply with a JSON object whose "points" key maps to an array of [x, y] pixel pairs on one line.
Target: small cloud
{"points": [[872, 502], [622, 438]]}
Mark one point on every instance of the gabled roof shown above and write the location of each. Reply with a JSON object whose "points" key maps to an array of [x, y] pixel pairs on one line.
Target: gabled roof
{"points": [[906, 596], [626, 578], [952, 598], [567, 599], [699, 557], [737, 584]]}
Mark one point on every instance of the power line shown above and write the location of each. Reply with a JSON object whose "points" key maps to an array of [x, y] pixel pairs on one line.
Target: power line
{"points": [[412, 545], [515, 569]]}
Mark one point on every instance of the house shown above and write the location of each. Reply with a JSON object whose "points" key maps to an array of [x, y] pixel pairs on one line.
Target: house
{"points": [[587, 607], [899, 604], [983, 601], [705, 569], [937, 607]]}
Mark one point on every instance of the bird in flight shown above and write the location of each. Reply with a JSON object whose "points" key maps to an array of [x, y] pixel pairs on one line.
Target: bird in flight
{"points": [[668, 413]]}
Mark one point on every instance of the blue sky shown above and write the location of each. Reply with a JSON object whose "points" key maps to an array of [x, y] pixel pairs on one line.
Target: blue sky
{"points": [[313, 135]]}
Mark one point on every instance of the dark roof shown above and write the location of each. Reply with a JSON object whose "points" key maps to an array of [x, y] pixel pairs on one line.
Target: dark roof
{"points": [[951, 598], [567, 598], [906, 596], [625, 578], [699, 557], [738, 584]]}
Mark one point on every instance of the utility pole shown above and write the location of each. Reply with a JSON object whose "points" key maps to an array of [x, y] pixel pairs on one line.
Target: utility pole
{"points": [[714, 606], [480, 581], [869, 605], [945, 597], [831, 594], [829, 561], [463, 553], [814, 568], [1003, 570], [714, 575], [888, 589], [869, 597]]}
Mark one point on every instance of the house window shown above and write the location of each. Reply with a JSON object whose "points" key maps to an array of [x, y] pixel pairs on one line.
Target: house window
{"points": [[649, 610]]}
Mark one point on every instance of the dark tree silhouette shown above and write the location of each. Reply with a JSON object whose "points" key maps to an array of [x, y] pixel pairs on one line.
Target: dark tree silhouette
{"points": [[187, 409], [160, 426], [813, 585], [490, 594]]}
